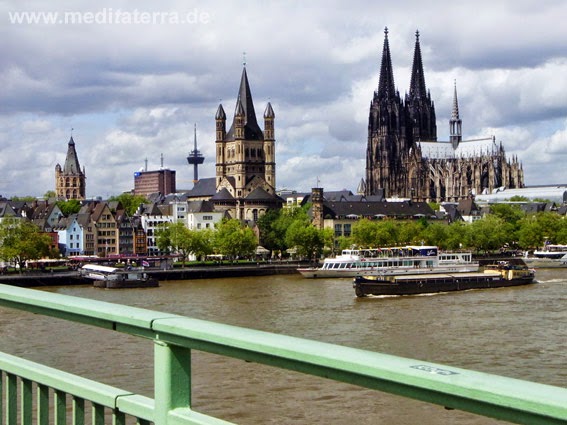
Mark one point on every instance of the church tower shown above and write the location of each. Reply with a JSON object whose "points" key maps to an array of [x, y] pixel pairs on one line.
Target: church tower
{"points": [[245, 158], [269, 146], [387, 139], [70, 180], [421, 111]]}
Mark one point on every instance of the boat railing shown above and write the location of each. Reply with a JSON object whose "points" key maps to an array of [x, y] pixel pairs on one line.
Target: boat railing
{"points": [[61, 397]]}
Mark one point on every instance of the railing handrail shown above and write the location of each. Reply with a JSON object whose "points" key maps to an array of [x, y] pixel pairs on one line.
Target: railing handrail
{"points": [[485, 394]]}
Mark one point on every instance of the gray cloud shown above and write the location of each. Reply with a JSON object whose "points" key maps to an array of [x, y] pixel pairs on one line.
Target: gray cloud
{"points": [[134, 91]]}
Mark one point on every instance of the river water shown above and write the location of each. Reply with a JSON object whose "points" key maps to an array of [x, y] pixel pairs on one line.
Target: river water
{"points": [[517, 332]]}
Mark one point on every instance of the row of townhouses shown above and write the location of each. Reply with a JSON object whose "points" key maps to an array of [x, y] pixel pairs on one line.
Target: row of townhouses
{"points": [[104, 228]]}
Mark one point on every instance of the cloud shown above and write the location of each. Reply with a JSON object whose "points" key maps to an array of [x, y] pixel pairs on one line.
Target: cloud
{"points": [[134, 91]]}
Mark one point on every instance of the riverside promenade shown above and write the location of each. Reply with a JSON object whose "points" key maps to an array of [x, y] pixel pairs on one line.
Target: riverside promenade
{"points": [[30, 279], [34, 279]]}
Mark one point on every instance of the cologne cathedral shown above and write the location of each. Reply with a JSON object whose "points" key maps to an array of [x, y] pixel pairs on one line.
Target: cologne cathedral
{"points": [[404, 158]]}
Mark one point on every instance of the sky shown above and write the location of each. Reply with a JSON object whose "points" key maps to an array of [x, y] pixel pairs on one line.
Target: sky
{"points": [[129, 80]]}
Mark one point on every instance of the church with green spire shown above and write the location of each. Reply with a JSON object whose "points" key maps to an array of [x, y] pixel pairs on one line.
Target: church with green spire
{"points": [[404, 159]]}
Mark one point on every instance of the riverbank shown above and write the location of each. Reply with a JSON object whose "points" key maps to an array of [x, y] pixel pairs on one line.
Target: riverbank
{"points": [[34, 279]]}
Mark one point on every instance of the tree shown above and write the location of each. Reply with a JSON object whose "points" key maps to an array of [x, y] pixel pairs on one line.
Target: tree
{"points": [[203, 242], [274, 224], [364, 233], [50, 194], [490, 233], [436, 234], [510, 213], [411, 232], [71, 206], [234, 239], [534, 229], [458, 236], [387, 233], [21, 241], [177, 238], [519, 198], [308, 240], [130, 202], [272, 230]]}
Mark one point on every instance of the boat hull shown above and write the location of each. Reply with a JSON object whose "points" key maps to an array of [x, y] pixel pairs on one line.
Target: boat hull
{"points": [[545, 263], [318, 272], [414, 285], [126, 283]]}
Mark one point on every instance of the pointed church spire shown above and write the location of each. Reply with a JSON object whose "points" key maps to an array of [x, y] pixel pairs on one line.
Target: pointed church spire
{"points": [[386, 87], [220, 115], [455, 123], [421, 110], [455, 111], [417, 84], [269, 112], [71, 161], [244, 104]]}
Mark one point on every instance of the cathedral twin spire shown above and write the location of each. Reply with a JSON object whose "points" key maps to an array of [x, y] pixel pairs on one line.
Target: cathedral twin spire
{"points": [[419, 109], [417, 83], [386, 87]]}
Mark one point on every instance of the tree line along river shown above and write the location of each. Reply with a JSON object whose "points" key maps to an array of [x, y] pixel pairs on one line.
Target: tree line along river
{"points": [[519, 332]]}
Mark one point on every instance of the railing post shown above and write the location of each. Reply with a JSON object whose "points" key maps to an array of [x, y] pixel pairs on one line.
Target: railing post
{"points": [[59, 407], [11, 399], [172, 380], [42, 405], [26, 401]]}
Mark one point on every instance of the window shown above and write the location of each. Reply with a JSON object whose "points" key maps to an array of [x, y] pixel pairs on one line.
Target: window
{"points": [[338, 229]]}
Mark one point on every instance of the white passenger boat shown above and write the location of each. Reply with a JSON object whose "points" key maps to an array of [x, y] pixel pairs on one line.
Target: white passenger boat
{"points": [[554, 252], [550, 256], [392, 262], [115, 277]]}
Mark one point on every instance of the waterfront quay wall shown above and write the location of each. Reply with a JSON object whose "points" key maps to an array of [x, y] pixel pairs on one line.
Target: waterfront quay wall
{"points": [[35, 279], [211, 272]]}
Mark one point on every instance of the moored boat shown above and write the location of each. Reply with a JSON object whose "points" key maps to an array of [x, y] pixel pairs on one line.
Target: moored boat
{"points": [[494, 276], [551, 251], [550, 256], [392, 261], [114, 277], [545, 263]]}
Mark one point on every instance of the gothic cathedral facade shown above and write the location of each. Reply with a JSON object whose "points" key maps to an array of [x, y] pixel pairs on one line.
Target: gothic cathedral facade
{"points": [[70, 181], [404, 158]]}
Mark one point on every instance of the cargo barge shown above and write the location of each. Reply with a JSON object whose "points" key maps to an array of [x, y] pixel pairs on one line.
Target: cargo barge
{"points": [[494, 276]]}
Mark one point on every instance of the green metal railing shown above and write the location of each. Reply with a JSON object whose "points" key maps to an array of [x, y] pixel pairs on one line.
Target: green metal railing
{"points": [[175, 336]]}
